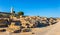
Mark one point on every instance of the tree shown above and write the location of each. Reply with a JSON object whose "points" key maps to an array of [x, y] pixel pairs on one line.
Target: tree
{"points": [[13, 11], [20, 13]]}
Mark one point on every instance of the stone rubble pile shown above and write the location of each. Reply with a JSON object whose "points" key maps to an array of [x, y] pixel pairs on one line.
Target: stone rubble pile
{"points": [[34, 21], [25, 23]]}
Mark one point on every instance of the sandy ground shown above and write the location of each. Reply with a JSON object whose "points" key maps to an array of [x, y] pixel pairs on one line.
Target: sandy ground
{"points": [[55, 30], [49, 30]]}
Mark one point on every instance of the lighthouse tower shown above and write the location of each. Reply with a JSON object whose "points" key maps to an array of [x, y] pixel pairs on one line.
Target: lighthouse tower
{"points": [[11, 10], [11, 16]]}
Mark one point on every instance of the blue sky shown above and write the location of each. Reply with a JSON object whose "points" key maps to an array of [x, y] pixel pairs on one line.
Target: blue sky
{"points": [[48, 8]]}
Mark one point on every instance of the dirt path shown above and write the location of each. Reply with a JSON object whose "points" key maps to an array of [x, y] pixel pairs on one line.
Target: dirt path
{"points": [[55, 30]]}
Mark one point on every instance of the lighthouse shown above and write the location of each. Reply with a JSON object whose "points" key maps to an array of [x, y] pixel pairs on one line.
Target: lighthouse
{"points": [[12, 13], [11, 10]]}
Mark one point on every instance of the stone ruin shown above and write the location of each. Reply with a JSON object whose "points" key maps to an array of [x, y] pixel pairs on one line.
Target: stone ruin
{"points": [[24, 24]]}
